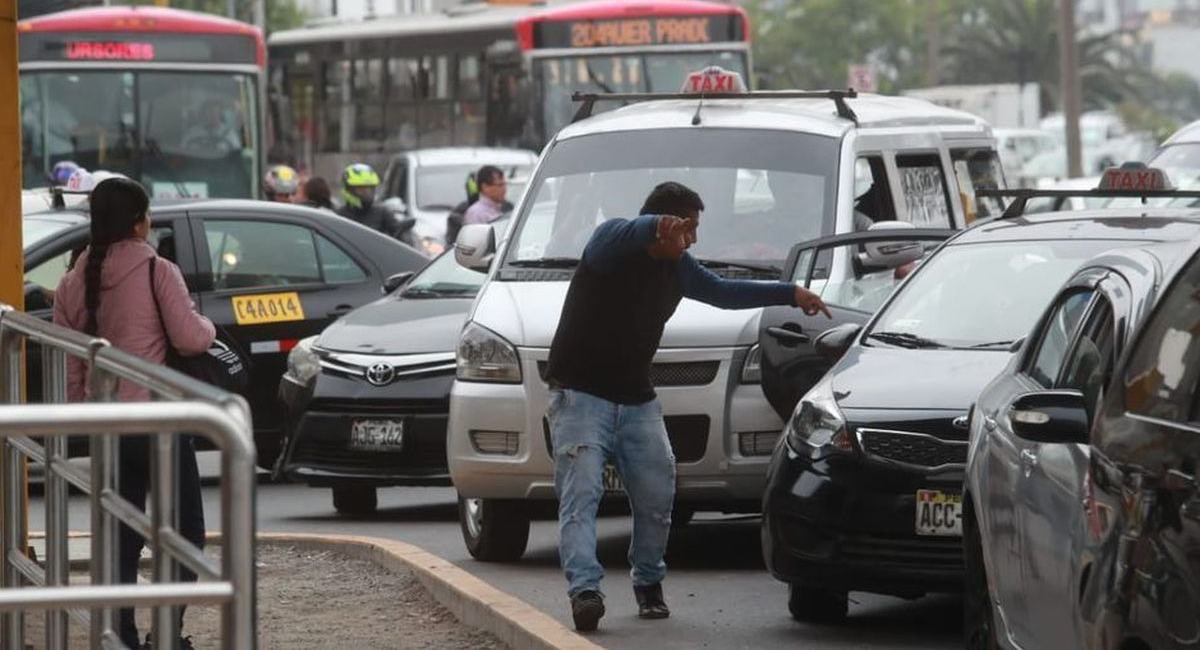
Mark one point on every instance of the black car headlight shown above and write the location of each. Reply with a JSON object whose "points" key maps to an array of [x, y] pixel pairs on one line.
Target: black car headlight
{"points": [[485, 356], [303, 363], [818, 423]]}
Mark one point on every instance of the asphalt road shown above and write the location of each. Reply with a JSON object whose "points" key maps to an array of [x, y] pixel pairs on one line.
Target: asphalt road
{"points": [[719, 593]]}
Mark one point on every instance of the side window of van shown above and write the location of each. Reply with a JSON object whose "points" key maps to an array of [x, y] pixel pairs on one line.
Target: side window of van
{"points": [[978, 169], [923, 185], [872, 193]]}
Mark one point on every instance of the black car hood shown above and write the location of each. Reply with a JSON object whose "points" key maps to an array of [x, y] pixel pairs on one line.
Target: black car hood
{"points": [[889, 378], [394, 325]]}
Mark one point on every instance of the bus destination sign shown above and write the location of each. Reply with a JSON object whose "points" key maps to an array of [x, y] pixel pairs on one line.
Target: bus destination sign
{"points": [[627, 32], [141, 47]]}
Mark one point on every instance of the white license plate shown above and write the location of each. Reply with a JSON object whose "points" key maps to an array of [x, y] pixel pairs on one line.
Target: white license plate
{"points": [[612, 480], [377, 435], [939, 513]]}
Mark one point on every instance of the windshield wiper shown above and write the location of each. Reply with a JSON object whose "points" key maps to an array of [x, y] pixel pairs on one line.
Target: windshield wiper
{"points": [[722, 264], [547, 263], [993, 344], [906, 340]]}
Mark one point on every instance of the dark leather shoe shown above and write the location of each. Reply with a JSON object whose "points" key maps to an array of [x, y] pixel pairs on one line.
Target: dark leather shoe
{"points": [[587, 608], [650, 602]]}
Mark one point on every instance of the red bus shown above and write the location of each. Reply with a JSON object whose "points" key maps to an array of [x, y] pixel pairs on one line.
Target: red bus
{"points": [[170, 98], [482, 74]]}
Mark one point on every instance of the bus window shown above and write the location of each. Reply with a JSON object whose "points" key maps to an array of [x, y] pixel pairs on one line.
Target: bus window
{"points": [[562, 76], [86, 117], [666, 72]]}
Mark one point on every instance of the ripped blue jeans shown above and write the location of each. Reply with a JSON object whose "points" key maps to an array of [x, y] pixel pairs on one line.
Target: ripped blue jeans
{"points": [[587, 433]]}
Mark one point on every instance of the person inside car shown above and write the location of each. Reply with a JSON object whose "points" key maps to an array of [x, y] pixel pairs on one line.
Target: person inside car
{"points": [[632, 275], [493, 188]]}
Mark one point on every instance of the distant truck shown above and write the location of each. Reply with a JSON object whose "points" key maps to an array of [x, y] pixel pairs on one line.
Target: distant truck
{"points": [[1001, 105]]}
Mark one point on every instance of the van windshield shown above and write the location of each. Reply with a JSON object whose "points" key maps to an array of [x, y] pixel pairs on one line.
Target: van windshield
{"points": [[763, 190]]}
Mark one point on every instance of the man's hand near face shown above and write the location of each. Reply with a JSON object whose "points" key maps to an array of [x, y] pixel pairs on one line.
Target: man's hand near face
{"points": [[676, 231]]}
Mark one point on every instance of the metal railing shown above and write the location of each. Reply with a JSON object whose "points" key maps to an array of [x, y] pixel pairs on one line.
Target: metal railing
{"points": [[185, 405]]}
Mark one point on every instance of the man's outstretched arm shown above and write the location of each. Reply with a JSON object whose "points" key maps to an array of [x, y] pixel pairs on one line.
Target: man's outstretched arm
{"points": [[616, 238], [702, 284]]}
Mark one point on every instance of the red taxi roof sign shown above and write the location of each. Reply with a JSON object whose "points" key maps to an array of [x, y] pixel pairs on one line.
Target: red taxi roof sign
{"points": [[713, 80], [1135, 177]]}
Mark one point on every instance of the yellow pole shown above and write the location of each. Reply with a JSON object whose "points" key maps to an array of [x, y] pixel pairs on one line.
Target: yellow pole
{"points": [[12, 260]]}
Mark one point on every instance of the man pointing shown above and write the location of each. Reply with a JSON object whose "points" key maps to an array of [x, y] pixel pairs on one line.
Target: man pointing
{"points": [[632, 276]]}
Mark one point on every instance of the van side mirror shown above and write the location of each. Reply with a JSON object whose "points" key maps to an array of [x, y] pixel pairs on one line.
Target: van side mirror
{"points": [[1050, 416], [397, 280], [475, 246], [891, 253], [833, 342]]}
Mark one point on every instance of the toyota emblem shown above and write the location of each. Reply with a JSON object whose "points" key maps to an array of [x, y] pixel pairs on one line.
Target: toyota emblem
{"points": [[381, 374]]}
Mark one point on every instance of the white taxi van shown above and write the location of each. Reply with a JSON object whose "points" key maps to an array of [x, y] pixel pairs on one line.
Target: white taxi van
{"points": [[774, 169]]}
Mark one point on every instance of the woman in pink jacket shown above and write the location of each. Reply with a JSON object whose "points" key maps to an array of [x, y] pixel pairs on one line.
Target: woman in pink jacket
{"points": [[108, 294]]}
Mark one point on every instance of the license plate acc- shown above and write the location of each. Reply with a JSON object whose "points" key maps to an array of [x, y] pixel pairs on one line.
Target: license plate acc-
{"points": [[938, 513]]}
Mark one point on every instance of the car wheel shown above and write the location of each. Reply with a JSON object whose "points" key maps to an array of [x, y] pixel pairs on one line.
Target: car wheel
{"points": [[494, 530], [809, 604], [979, 626], [355, 500]]}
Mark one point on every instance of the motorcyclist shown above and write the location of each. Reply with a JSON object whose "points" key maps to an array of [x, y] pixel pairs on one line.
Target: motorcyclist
{"points": [[280, 183], [359, 182]]}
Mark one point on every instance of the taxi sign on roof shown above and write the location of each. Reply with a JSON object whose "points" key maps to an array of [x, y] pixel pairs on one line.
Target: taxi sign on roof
{"points": [[1135, 177], [713, 80]]}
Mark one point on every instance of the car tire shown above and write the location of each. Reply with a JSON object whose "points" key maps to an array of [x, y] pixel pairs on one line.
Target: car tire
{"points": [[355, 500], [494, 530], [979, 625], [811, 604]]}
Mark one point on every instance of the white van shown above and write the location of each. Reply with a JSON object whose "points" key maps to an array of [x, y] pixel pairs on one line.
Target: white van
{"points": [[773, 170]]}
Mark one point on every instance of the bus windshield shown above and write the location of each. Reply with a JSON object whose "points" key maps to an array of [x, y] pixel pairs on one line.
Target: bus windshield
{"points": [[181, 134], [621, 73], [763, 191]]}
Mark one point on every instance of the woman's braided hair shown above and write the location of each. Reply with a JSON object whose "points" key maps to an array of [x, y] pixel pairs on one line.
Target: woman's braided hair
{"points": [[117, 206]]}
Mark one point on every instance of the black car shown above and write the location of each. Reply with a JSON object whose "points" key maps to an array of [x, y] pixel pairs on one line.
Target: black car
{"points": [[1138, 585], [864, 490], [270, 274], [1027, 543], [367, 401]]}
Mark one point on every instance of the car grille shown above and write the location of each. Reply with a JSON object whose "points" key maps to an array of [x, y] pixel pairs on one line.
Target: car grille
{"points": [[383, 406], [323, 442], [908, 552], [688, 435], [687, 373], [916, 449]]}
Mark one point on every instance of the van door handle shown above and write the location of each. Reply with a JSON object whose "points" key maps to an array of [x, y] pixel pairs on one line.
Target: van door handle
{"points": [[787, 337]]}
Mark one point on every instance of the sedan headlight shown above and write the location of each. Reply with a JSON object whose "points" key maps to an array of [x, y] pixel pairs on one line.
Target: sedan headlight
{"points": [[818, 423], [752, 366], [302, 362], [484, 355]]}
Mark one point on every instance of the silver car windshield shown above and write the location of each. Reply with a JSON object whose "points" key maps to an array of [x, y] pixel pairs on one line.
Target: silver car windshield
{"points": [[982, 295], [763, 190]]}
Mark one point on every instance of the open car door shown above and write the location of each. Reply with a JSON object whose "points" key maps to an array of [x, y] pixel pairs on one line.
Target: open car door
{"points": [[854, 274]]}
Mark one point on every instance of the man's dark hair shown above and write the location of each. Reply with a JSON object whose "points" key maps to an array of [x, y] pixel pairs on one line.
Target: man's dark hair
{"points": [[672, 198], [487, 175]]}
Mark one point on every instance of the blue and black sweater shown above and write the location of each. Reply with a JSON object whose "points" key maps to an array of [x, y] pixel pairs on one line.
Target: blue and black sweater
{"points": [[618, 302]]}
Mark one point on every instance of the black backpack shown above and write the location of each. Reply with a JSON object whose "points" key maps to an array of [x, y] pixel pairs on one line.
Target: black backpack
{"points": [[222, 365]]}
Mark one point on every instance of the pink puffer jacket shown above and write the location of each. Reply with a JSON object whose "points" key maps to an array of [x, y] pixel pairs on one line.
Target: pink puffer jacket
{"points": [[127, 316]]}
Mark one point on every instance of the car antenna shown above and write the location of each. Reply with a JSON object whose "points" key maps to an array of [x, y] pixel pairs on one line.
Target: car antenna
{"points": [[696, 115]]}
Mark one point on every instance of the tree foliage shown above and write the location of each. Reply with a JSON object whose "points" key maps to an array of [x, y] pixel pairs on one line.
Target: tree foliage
{"points": [[809, 43], [281, 14]]}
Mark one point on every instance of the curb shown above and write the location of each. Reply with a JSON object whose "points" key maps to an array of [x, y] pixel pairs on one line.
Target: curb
{"points": [[471, 600]]}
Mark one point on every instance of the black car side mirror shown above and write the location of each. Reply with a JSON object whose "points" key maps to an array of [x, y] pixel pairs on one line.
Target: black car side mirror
{"points": [[833, 342], [1050, 416], [396, 281]]}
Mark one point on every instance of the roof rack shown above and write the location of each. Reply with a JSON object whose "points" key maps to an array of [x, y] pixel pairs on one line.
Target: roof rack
{"points": [[1021, 196], [838, 97]]}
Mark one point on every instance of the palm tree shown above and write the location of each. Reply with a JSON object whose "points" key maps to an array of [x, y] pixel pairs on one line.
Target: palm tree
{"points": [[1006, 41]]}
